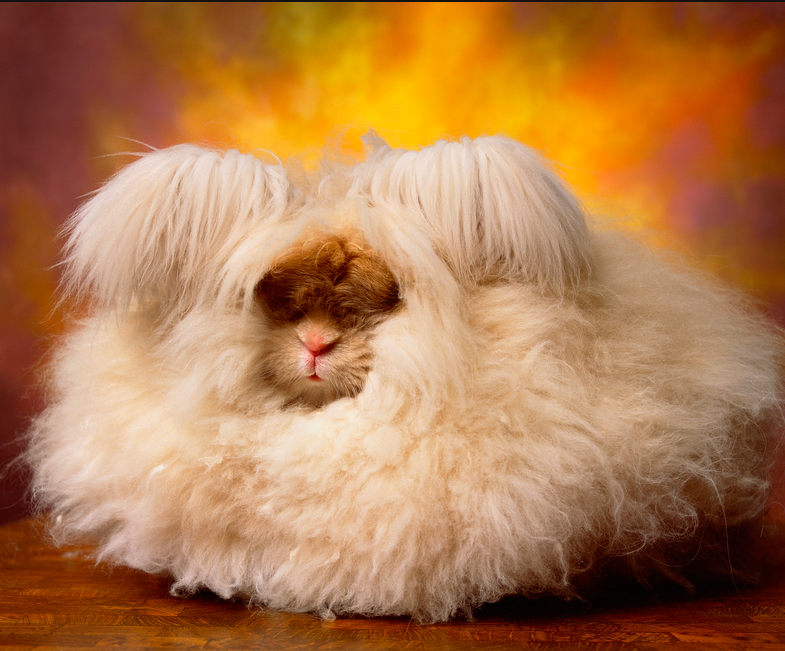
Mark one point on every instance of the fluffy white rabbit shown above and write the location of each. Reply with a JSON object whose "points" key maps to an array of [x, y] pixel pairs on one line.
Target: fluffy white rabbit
{"points": [[408, 387]]}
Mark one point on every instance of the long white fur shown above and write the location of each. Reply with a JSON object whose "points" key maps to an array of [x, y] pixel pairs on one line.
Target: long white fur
{"points": [[176, 218], [496, 208], [547, 397]]}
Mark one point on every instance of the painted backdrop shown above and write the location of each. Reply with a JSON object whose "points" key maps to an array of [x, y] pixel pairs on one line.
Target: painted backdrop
{"points": [[668, 117]]}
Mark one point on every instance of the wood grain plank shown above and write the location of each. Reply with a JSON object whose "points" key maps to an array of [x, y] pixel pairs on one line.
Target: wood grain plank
{"points": [[55, 598]]}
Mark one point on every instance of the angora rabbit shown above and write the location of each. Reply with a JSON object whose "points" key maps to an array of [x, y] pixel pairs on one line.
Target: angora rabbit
{"points": [[407, 387]]}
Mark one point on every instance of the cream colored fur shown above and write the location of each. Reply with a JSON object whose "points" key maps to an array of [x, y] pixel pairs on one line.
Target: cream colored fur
{"points": [[547, 397]]}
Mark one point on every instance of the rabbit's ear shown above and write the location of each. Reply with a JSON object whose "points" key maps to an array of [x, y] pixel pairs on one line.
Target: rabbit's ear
{"points": [[496, 208], [160, 231]]}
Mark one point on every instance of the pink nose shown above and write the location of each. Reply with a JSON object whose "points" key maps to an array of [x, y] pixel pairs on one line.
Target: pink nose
{"points": [[315, 344]]}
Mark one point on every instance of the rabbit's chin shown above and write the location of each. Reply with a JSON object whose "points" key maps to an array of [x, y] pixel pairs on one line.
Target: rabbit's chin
{"points": [[303, 378]]}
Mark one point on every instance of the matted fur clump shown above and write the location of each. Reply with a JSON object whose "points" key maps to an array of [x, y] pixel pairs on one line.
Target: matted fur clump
{"points": [[407, 387]]}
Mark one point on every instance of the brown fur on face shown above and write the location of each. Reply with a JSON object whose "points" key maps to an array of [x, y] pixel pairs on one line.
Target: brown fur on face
{"points": [[332, 290], [334, 276]]}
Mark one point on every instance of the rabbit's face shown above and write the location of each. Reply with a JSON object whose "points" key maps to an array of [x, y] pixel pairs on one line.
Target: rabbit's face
{"points": [[322, 301]]}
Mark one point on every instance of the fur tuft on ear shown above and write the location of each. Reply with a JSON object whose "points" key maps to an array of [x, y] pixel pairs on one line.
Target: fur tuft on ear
{"points": [[497, 209], [161, 230]]}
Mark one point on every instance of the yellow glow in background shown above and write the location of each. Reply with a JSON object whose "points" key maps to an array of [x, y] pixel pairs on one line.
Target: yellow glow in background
{"points": [[666, 116]]}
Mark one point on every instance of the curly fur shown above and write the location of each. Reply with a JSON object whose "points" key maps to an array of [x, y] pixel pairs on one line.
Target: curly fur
{"points": [[545, 397]]}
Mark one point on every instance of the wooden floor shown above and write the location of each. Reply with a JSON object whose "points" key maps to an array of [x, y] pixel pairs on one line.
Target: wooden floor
{"points": [[55, 598]]}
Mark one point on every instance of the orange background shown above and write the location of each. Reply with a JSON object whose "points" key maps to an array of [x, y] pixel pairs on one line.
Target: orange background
{"points": [[668, 117]]}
